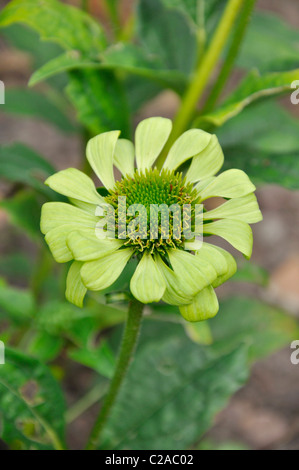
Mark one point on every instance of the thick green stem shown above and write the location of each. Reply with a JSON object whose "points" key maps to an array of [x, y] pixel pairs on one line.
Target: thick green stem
{"points": [[125, 356], [231, 56], [202, 74]]}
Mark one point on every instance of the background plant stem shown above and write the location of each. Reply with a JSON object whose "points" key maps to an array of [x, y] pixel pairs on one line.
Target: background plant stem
{"points": [[202, 74], [128, 345], [84, 5], [231, 56]]}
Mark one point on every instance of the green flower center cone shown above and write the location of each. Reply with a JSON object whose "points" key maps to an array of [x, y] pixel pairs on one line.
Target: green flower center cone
{"points": [[158, 200]]}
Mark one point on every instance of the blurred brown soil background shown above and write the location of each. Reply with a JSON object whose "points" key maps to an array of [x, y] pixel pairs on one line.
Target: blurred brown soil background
{"points": [[265, 413]]}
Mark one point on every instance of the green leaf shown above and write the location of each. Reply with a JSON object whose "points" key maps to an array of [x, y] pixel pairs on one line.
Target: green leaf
{"points": [[138, 61], [250, 272], [65, 25], [270, 44], [31, 103], [139, 91], [100, 359], [31, 403], [16, 267], [263, 328], [158, 31], [263, 141], [67, 61], [16, 304], [191, 8], [40, 52], [263, 127], [20, 164], [99, 100], [77, 324], [24, 211], [253, 88], [176, 399], [44, 346], [123, 57], [186, 384], [265, 167]]}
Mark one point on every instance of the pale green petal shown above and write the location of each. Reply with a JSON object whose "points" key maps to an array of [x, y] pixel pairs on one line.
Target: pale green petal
{"points": [[124, 156], [75, 289], [147, 284], [194, 274], [211, 254], [231, 267], [207, 163], [204, 306], [100, 154], [237, 233], [73, 183], [243, 208], [101, 273], [190, 143], [230, 184], [86, 247], [85, 206], [174, 294], [150, 137], [55, 214], [204, 183], [56, 239]]}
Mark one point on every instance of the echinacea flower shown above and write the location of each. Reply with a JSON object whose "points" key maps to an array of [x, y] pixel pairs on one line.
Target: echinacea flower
{"points": [[175, 270]]}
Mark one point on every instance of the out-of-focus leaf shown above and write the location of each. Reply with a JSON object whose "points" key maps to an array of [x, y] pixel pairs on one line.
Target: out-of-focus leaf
{"points": [[263, 328], [20, 164], [16, 304], [265, 126], [265, 167], [263, 140], [24, 211], [137, 61], [270, 44], [124, 57], [25, 39], [250, 272], [179, 372], [191, 8], [67, 61], [79, 325], [63, 24], [16, 266], [158, 32], [100, 358], [139, 91], [37, 105], [173, 403], [44, 346], [100, 101], [253, 88], [32, 405]]}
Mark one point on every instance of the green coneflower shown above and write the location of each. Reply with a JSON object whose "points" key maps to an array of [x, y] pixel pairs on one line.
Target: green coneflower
{"points": [[171, 267]]}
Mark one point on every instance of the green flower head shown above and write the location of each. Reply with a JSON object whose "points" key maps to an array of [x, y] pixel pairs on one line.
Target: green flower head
{"points": [[174, 264]]}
